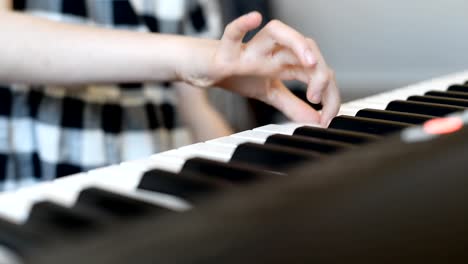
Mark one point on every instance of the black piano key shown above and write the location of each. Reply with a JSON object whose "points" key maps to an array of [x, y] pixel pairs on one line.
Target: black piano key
{"points": [[231, 172], [439, 100], [459, 88], [367, 125], [185, 185], [335, 135], [307, 143], [59, 221], [423, 108], [20, 238], [456, 95], [272, 158], [394, 116], [116, 206]]}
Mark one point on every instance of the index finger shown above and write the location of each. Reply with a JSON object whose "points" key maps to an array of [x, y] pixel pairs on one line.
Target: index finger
{"points": [[276, 32], [331, 102]]}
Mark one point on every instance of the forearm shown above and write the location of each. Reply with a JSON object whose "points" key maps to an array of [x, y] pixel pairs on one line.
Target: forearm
{"points": [[36, 51]]}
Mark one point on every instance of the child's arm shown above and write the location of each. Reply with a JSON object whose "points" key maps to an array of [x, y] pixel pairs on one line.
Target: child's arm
{"points": [[35, 51]]}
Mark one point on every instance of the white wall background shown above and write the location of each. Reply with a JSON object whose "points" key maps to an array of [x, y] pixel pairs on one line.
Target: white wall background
{"points": [[376, 45]]}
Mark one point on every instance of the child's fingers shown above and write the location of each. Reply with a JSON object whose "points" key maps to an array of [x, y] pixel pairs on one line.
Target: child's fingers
{"points": [[277, 33], [320, 76], [291, 73], [294, 108], [272, 65], [284, 57], [231, 42], [331, 102]]}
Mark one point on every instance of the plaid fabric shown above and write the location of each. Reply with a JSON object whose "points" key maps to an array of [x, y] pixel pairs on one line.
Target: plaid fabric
{"points": [[50, 132]]}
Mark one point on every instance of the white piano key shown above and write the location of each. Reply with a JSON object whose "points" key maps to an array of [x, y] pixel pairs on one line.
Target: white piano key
{"points": [[15, 206], [203, 150], [255, 135], [231, 141], [65, 191], [242, 137], [287, 129], [167, 162]]}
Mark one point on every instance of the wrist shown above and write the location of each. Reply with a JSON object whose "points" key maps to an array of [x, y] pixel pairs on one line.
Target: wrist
{"points": [[196, 64]]}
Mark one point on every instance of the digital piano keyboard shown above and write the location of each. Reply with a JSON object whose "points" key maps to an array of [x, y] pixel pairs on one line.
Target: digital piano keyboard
{"points": [[384, 182]]}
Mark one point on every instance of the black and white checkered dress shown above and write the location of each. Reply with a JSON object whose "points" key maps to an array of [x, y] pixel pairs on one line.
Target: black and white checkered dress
{"points": [[49, 132]]}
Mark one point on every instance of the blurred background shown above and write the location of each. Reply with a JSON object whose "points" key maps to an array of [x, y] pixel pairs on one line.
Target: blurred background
{"points": [[375, 45]]}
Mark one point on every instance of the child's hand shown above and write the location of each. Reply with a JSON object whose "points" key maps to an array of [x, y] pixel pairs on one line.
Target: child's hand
{"points": [[256, 69]]}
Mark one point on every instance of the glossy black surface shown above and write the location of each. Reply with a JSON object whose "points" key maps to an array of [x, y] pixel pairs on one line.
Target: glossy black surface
{"points": [[270, 157], [438, 110], [307, 143], [335, 134], [367, 125], [393, 116]]}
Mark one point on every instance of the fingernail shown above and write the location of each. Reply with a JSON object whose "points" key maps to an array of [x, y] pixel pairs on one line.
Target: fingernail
{"points": [[309, 57]]}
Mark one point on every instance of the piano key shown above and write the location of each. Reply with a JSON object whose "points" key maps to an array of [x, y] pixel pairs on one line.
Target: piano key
{"points": [[167, 162], [423, 108], [20, 238], [394, 116], [233, 172], [335, 135], [455, 95], [242, 137], [307, 143], [188, 186], [66, 190], [220, 151], [439, 100], [210, 151], [367, 125], [23, 200], [272, 158], [286, 129], [61, 222], [256, 135], [130, 175], [116, 205], [458, 88]]}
